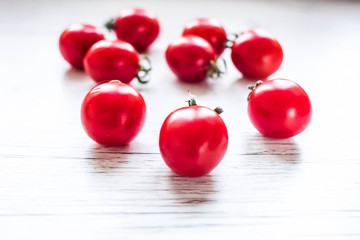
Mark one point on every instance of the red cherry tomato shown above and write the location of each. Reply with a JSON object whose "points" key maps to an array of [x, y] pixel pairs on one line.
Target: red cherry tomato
{"points": [[256, 54], [209, 29], [190, 58], [112, 60], [113, 113], [193, 140], [136, 26], [76, 40], [279, 108]]}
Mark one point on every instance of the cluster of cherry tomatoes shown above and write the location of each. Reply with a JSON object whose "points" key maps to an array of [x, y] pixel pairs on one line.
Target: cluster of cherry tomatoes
{"points": [[113, 112]]}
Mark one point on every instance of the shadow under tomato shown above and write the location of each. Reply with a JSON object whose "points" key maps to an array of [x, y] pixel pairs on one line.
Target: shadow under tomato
{"points": [[192, 191], [245, 82], [107, 159], [283, 151], [200, 88], [73, 74]]}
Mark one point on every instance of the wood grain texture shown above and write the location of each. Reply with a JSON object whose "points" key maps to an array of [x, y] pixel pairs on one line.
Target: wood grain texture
{"points": [[55, 183]]}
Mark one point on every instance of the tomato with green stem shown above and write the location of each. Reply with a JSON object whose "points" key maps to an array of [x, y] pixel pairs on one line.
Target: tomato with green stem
{"points": [[113, 113], [279, 108], [256, 54], [193, 140], [115, 60], [137, 26], [209, 29], [192, 59]]}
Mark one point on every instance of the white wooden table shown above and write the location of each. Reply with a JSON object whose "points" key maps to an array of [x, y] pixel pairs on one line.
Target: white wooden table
{"points": [[55, 183]]}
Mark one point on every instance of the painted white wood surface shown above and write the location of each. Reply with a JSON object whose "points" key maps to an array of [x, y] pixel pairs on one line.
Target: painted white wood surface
{"points": [[55, 183]]}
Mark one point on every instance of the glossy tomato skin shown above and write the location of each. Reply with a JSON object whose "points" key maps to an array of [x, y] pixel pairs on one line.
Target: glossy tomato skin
{"points": [[189, 58], [112, 60], [76, 40], [193, 140], [209, 29], [279, 108], [113, 113], [138, 27], [256, 54]]}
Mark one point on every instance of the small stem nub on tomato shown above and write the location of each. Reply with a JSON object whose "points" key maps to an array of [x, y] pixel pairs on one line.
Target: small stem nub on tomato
{"points": [[110, 24], [214, 70], [230, 39], [143, 72], [252, 88], [191, 101], [218, 110]]}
